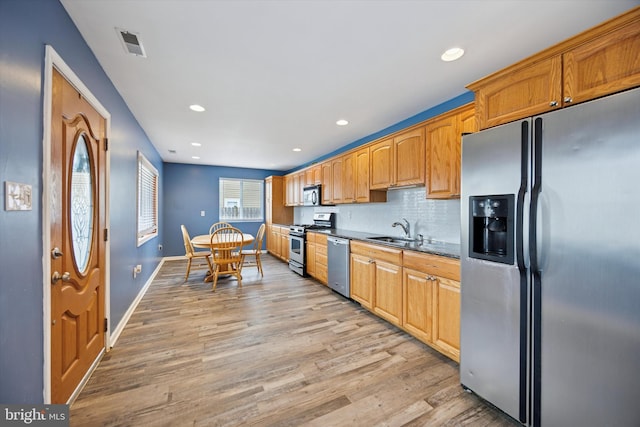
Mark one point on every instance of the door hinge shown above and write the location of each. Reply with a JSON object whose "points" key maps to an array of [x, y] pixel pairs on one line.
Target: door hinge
{"points": [[106, 324], [106, 234], [106, 144]]}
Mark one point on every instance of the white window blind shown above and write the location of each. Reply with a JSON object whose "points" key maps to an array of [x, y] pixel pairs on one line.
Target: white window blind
{"points": [[147, 200], [241, 199]]}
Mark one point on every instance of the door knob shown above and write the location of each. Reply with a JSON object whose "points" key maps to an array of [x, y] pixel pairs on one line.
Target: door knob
{"points": [[65, 277], [56, 253]]}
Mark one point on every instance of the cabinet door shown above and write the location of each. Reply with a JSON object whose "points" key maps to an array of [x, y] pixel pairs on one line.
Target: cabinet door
{"points": [[275, 238], [308, 178], [446, 331], [336, 180], [388, 292], [310, 254], [467, 124], [327, 180], [298, 184], [381, 171], [442, 137], [288, 190], [418, 300], [409, 157], [605, 65], [284, 246], [362, 175], [321, 258], [349, 178], [525, 92], [362, 280]]}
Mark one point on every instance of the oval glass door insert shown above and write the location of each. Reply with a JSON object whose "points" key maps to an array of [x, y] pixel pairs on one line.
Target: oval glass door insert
{"points": [[81, 215]]}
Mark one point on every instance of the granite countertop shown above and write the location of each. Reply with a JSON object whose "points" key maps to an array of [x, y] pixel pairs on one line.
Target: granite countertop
{"points": [[451, 250]]}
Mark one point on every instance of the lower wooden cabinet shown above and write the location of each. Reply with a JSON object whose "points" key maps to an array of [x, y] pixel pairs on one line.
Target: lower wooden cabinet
{"points": [[446, 327], [432, 301], [316, 254], [376, 279], [278, 241], [418, 292], [362, 278]]}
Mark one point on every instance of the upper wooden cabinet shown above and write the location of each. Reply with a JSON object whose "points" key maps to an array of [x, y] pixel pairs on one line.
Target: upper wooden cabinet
{"points": [[605, 65], [409, 157], [444, 137], [327, 183], [363, 192], [597, 62], [398, 160], [336, 180], [275, 210], [349, 178], [312, 176]]}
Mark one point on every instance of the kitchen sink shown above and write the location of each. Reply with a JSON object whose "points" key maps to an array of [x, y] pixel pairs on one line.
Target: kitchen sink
{"points": [[393, 240]]}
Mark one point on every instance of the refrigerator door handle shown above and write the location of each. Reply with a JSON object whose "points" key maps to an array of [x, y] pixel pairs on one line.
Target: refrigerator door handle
{"points": [[522, 218], [536, 275], [535, 196]]}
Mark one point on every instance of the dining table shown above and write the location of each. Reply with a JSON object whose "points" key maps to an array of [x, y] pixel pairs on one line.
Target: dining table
{"points": [[204, 241]]}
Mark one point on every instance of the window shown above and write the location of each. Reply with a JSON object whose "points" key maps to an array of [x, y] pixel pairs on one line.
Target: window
{"points": [[241, 199], [147, 227]]}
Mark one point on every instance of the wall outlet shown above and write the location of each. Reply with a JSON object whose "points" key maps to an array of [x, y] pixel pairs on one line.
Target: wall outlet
{"points": [[159, 248], [137, 270]]}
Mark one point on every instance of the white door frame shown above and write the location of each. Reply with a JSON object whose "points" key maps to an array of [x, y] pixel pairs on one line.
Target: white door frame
{"points": [[53, 60]]}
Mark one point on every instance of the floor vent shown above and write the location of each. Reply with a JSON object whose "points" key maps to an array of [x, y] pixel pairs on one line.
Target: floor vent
{"points": [[131, 43]]}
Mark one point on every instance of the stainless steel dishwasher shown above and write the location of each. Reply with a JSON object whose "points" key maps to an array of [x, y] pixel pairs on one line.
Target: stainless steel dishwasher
{"points": [[338, 265]]}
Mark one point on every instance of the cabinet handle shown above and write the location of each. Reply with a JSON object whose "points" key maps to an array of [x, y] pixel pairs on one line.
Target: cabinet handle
{"points": [[568, 100], [553, 104]]}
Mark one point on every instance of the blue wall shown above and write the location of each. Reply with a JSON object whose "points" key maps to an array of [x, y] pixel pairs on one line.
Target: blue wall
{"points": [[25, 28], [189, 189]]}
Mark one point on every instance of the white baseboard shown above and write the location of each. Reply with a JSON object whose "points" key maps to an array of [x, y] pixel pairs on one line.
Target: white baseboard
{"points": [[115, 334]]}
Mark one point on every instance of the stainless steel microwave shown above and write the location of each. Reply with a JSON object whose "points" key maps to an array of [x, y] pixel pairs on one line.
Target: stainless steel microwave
{"points": [[311, 196]]}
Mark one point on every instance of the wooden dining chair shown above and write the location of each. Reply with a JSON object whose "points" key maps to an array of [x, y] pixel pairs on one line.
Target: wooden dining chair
{"points": [[226, 250], [218, 225], [191, 253], [256, 251]]}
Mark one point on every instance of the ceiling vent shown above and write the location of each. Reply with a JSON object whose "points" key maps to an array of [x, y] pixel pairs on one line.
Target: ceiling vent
{"points": [[131, 43]]}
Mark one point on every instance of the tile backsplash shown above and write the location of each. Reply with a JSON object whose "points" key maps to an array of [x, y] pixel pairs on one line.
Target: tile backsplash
{"points": [[435, 219]]}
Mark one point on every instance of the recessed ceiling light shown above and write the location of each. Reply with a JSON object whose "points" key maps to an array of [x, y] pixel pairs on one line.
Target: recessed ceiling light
{"points": [[452, 54], [195, 157], [342, 122], [196, 107], [196, 144], [297, 150]]}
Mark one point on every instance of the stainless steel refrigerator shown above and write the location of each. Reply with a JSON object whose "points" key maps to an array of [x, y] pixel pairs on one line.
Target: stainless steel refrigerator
{"points": [[550, 265]]}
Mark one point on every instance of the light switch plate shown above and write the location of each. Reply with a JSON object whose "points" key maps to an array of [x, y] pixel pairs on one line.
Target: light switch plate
{"points": [[17, 196]]}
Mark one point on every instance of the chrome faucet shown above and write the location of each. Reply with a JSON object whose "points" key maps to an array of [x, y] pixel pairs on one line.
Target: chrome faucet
{"points": [[406, 227]]}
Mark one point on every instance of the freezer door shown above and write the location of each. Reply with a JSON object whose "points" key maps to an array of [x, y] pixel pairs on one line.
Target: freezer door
{"points": [[493, 336], [587, 259]]}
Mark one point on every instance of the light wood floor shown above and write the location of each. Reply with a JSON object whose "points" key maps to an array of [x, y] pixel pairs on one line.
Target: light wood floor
{"points": [[280, 351]]}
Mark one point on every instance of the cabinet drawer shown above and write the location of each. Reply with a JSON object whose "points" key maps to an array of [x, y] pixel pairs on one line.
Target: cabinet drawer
{"points": [[321, 250], [379, 252], [432, 264], [321, 258]]}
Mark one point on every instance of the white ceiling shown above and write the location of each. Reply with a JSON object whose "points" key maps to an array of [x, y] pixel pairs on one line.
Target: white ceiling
{"points": [[277, 74]]}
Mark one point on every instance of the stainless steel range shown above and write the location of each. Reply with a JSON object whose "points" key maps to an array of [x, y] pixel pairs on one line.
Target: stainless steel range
{"points": [[297, 232]]}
